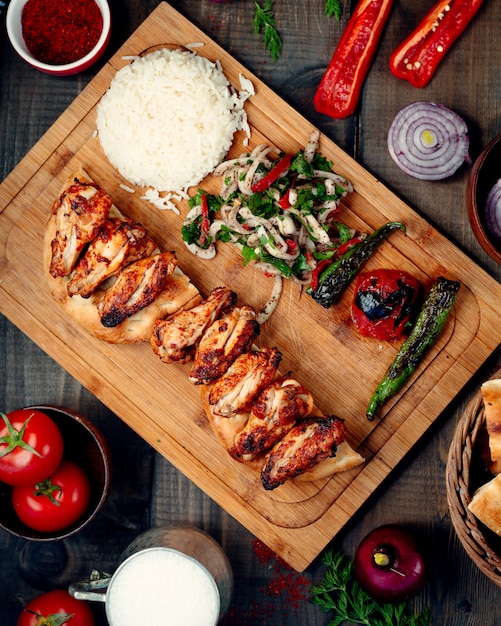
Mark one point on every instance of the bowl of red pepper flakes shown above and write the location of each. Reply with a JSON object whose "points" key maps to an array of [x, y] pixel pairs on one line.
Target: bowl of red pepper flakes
{"points": [[59, 38]]}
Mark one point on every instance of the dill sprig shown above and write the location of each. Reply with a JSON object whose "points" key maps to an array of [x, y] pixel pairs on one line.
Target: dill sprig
{"points": [[340, 593], [264, 22], [333, 8]]}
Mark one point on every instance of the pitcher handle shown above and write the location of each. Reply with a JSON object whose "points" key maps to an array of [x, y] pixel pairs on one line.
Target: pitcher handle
{"points": [[93, 589]]}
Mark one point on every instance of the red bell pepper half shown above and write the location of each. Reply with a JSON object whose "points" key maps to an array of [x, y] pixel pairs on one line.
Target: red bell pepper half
{"points": [[339, 90], [418, 56]]}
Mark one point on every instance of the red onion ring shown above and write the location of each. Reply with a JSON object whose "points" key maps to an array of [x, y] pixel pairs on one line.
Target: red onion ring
{"points": [[493, 210], [428, 141]]}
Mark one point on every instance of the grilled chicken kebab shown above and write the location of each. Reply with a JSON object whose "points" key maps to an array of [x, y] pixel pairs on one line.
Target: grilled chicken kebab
{"points": [[80, 212], [270, 413], [111, 269], [117, 243]]}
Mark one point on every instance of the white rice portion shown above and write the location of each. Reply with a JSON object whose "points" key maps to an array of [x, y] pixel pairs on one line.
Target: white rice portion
{"points": [[168, 119]]}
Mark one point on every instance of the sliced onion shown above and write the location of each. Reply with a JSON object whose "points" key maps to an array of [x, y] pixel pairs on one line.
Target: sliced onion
{"points": [[428, 141], [202, 253], [267, 310], [493, 210]]}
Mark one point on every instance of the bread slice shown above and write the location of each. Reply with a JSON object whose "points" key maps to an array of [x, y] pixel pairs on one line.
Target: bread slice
{"points": [[486, 504], [491, 393]]}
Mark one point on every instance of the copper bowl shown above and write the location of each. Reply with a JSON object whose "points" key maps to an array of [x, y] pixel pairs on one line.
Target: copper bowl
{"points": [[86, 446], [484, 173]]}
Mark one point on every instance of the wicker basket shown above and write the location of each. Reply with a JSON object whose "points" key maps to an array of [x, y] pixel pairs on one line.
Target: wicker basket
{"points": [[465, 473]]}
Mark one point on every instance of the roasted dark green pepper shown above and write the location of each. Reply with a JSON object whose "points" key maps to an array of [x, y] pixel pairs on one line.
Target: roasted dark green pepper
{"points": [[427, 328], [335, 278]]}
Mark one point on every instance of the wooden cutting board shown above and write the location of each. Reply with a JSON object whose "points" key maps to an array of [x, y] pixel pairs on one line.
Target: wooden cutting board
{"points": [[320, 347]]}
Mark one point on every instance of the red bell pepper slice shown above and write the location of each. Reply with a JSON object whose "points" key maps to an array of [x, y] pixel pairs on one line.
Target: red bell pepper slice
{"points": [[284, 203], [205, 223], [315, 275], [339, 90], [321, 265], [276, 171], [346, 246], [418, 56]]}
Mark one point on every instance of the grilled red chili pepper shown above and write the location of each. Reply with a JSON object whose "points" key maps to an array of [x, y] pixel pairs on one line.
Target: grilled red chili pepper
{"points": [[339, 90], [418, 56], [275, 173]]}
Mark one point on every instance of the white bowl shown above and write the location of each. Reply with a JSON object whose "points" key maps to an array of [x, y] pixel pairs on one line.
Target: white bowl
{"points": [[14, 31]]}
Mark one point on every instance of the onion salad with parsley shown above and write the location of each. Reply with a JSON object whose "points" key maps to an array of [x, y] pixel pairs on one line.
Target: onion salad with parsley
{"points": [[281, 212]]}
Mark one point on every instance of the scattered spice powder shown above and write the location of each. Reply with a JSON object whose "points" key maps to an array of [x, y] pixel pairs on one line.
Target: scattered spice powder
{"points": [[61, 31], [287, 586]]}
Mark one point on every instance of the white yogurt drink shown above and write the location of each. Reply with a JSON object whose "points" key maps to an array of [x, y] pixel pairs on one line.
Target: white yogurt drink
{"points": [[164, 587]]}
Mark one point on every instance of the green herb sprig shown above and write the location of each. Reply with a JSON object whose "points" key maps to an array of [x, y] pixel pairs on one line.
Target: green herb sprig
{"points": [[264, 23], [340, 593], [333, 8]]}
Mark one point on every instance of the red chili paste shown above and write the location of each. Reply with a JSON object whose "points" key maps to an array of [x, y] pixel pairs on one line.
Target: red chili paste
{"points": [[384, 303], [61, 31]]}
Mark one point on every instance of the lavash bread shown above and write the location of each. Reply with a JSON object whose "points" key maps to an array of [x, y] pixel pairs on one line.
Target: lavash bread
{"points": [[491, 394], [486, 504], [178, 293]]}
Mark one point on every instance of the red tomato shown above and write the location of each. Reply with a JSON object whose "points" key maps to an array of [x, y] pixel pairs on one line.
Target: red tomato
{"points": [[31, 447], [55, 503], [384, 303], [57, 604]]}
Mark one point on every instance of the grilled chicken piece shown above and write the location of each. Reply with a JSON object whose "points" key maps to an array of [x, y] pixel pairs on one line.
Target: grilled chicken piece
{"points": [[237, 389], [176, 338], [225, 340], [117, 244], [79, 212], [136, 286], [304, 446], [273, 414]]}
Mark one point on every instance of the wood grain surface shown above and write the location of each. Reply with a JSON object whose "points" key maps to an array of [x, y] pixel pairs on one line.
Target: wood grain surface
{"points": [[468, 80], [326, 354]]}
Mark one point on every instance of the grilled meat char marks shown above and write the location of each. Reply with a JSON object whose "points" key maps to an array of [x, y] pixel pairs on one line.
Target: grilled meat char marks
{"points": [[117, 244], [176, 338], [136, 286], [222, 343], [273, 414], [235, 391], [80, 211], [311, 441]]}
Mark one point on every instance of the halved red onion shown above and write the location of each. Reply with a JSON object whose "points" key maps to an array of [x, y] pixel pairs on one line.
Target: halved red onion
{"points": [[493, 210], [428, 141]]}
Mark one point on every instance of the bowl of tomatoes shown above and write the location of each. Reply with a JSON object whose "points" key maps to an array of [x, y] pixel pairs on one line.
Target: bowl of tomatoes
{"points": [[55, 472]]}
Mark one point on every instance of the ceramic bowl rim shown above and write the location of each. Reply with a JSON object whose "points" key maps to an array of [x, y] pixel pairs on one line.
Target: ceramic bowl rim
{"points": [[472, 200], [104, 450], [14, 32]]}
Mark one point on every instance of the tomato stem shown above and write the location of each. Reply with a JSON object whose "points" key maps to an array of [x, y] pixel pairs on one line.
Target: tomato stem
{"points": [[14, 438], [48, 489]]}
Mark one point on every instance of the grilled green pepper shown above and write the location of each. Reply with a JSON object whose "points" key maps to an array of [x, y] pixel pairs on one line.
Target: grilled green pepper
{"points": [[334, 280], [427, 328]]}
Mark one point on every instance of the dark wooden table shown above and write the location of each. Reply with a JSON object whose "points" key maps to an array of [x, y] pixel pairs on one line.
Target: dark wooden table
{"points": [[148, 490]]}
